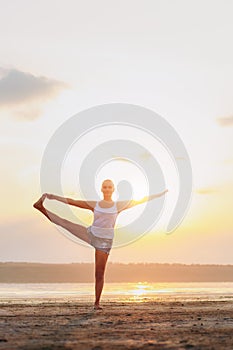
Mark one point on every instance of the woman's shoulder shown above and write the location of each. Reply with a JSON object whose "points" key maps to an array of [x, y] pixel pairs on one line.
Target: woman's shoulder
{"points": [[92, 205], [122, 205]]}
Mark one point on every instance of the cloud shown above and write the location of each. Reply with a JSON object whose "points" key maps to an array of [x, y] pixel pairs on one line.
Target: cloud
{"points": [[145, 155], [226, 121], [228, 161], [207, 190], [27, 92], [29, 113]]}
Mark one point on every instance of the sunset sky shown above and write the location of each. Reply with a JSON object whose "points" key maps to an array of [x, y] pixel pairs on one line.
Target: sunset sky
{"points": [[60, 58]]}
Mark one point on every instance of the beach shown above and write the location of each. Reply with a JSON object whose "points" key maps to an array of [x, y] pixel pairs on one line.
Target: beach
{"points": [[162, 323]]}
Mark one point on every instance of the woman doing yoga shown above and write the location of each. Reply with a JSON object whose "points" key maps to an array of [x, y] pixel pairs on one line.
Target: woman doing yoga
{"points": [[101, 233]]}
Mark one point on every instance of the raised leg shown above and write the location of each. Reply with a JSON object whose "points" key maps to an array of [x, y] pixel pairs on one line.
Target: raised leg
{"points": [[100, 264], [77, 230]]}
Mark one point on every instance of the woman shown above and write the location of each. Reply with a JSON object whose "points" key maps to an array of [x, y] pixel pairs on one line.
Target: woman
{"points": [[100, 234]]}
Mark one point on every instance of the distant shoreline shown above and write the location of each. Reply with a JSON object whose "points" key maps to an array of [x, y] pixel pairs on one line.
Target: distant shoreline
{"points": [[27, 272]]}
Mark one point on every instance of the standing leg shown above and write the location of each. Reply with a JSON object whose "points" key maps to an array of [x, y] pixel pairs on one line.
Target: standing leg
{"points": [[100, 264], [77, 230]]}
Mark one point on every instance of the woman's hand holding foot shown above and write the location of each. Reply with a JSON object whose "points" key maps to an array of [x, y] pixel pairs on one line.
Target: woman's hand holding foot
{"points": [[40, 201]]}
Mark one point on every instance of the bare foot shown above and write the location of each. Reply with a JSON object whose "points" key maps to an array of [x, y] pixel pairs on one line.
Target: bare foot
{"points": [[97, 307], [39, 204]]}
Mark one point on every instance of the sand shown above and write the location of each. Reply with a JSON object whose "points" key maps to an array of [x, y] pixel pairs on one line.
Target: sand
{"points": [[159, 324]]}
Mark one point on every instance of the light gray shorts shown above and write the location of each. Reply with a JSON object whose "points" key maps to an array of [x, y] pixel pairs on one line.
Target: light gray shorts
{"points": [[104, 244]]}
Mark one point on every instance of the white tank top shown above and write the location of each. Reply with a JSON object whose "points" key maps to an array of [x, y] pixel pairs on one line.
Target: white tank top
{"points": [[104, 221]]}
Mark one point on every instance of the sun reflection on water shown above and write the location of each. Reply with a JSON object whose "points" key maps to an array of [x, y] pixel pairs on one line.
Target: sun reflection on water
{"points": [[143, 291], [141, 288], [138, 291]]}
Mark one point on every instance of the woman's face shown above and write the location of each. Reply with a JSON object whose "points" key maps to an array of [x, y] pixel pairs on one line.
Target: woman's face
{"points": [[107, 188]]}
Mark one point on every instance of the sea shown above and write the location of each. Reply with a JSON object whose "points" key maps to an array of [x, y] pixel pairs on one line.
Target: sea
{"points": [[127, 292]]}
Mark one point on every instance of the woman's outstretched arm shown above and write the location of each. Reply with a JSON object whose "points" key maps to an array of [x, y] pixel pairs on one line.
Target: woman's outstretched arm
{"points": [[122, 205], [77, 203], [152, 196]]}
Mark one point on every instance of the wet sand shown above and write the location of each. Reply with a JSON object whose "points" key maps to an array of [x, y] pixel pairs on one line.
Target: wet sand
{"points": [[159, 324]]}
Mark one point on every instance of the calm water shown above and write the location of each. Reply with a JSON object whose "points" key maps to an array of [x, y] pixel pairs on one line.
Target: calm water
{"points": [[116, 291]]}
